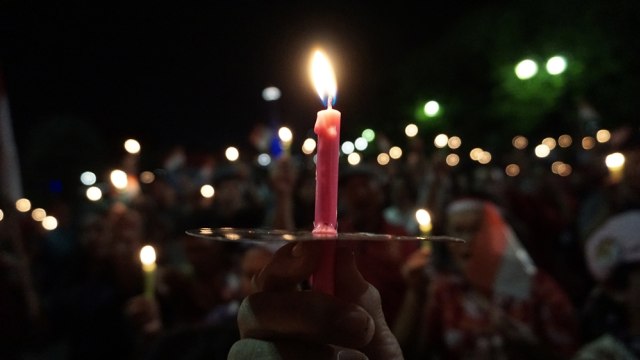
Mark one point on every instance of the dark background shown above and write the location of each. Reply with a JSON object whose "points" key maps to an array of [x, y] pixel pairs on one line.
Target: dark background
{"points": [[84, 76]]}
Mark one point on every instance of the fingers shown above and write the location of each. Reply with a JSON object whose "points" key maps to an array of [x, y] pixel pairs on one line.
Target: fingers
{"points": [[308, 316], [291, 264], [351, 286], [289, 350]]}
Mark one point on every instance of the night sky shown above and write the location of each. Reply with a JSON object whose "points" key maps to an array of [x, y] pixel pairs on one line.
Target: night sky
{"points": [[86, 76], [191, 73]]}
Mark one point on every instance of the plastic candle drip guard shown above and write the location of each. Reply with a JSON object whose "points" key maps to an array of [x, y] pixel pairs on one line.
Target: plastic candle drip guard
{"points": [[268, 236]]}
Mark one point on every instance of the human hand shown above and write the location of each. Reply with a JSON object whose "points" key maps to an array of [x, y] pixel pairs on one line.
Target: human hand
{"points": [[280, 322], [145, 314]]}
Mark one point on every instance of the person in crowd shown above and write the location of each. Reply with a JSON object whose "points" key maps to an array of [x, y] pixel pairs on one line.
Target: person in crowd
{"points": [[487, 300], [610, 319], [363, 199]]}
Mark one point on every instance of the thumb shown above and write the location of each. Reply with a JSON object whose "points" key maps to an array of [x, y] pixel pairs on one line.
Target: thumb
{"points": [[351, 286]]}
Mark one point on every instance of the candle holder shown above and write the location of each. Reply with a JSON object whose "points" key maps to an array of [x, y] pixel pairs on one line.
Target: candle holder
{"points": [[262, 236], [323, 279]]}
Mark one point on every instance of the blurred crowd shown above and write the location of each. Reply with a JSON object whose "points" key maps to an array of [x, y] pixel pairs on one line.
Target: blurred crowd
{"points": [[550, 266]]}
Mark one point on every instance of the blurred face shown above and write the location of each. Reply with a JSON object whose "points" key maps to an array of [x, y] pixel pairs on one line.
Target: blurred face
{"points": [[464, 225]]}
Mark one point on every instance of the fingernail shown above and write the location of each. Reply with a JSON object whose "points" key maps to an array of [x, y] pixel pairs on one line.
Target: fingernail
{"points": [[348, 354], [356, 322]]}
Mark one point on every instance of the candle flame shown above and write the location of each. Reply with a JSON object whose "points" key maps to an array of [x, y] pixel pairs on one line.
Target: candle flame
{"points": [[147, 255], [324, 79]]}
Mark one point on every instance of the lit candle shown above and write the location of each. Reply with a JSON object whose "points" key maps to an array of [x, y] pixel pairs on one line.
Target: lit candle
{"points": [[424, 222], [286, 137], [327, 128], [148, 259], [615, 164]]}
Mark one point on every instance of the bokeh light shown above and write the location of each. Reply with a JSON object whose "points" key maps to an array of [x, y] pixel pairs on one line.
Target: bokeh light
{"points": [[556, 65], [369, 134], [475, 153], [147, 255], [264, 159], [361, 144], [542, 151], [88, 178], [526, 69], [615, 160], [565, 170], [564, 141], [347, 147], [207, 191], [23, 205], [431, 108], [309, 146], [411, 130], [132, 146], [452, 159], [395, 152], [383, 159], [588, 142], [271, 93], [354, 159], [550, 142], [285, 134], [520, 142], [454, 142], [512, 170], [94, 193], [1, 215], [232, 154], [603, 135], [423, 217], [484, 157], [49, 223], [38, 214], [119, 179], [147, 177], [440, 141]]}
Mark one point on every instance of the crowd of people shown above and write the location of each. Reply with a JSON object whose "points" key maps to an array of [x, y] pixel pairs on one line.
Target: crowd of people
{"points": [[550, 266]]}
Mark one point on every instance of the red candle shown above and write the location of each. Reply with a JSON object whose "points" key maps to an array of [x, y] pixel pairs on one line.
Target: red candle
{"points": [[327, 128]]}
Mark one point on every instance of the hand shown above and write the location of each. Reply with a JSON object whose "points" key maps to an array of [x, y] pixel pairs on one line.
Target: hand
{"points": [[280, 322], [145, 314]]}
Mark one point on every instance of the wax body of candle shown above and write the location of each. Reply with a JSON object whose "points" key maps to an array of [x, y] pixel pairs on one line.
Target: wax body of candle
{"points": [[326, 213], [327, 128], [149, 279]]}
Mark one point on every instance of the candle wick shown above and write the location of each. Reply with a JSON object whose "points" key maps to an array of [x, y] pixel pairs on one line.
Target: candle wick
{"points": [[329, 101]]}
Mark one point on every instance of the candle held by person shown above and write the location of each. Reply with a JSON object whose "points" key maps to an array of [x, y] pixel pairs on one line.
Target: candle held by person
{"points": [[148, 259], [424, 222], [327, 128]]}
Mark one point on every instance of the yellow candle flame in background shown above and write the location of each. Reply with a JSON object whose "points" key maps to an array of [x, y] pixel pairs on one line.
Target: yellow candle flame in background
{"points": [[424, 220], [323, 76], [148, 257]]}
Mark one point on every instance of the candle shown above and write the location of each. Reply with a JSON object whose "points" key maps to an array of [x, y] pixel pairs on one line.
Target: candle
{"points": [[615, 164], [327, 128], [424, 222], [148, 259], [286, 137]]}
